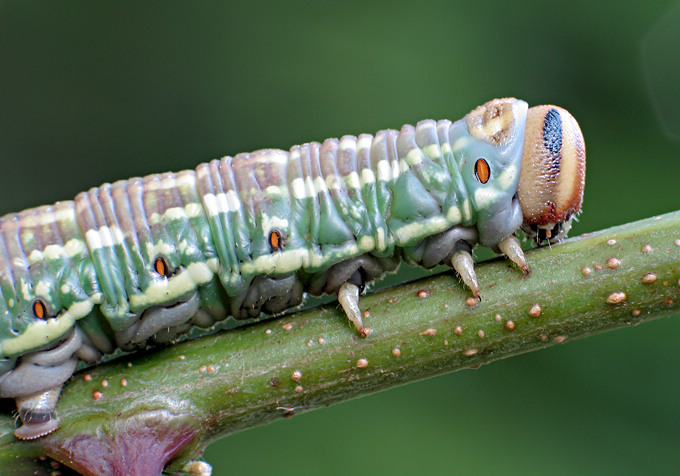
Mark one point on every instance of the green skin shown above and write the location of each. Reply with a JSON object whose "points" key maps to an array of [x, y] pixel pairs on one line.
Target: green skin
{"points": [[92, 261]]}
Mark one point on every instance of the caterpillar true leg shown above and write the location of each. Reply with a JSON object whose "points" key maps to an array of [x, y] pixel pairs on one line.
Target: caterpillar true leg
{"points": [[464, 264], [348, 297], [512, 249]]}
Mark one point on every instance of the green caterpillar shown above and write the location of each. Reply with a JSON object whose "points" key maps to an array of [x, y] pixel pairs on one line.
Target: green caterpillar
{"points": [[143, 260]]}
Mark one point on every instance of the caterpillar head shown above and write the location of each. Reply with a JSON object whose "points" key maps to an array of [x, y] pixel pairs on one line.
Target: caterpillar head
{"points": [[553, 173]]}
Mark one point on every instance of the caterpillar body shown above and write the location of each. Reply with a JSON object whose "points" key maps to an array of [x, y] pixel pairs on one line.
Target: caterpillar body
{"points": [[143, 260]]}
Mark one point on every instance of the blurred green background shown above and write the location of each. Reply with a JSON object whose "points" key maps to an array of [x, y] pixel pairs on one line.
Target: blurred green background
{"points": [[98, 91]]}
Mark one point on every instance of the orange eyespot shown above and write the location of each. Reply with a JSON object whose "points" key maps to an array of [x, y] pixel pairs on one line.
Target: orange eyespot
{"points": [[482, 170], [161, 267], [39, 309], [276, 239]]}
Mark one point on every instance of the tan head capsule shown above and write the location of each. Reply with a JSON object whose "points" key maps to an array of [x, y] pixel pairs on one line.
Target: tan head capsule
{"points": [[553, 172]]}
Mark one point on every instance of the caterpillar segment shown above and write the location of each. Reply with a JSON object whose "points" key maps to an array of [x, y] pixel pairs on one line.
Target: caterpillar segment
{"points": [[141, 261]]}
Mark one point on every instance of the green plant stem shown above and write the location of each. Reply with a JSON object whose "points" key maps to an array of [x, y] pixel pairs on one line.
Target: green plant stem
{"points": [[213, 386]]}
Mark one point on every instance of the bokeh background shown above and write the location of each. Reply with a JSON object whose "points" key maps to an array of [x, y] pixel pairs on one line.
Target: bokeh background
{"points": [[97, 91]]}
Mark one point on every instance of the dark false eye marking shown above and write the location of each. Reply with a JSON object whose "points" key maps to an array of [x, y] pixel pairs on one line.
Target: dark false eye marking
{"points": [[162, 267], [276, 239], [482, 170], [552, 132], [39, 309]]}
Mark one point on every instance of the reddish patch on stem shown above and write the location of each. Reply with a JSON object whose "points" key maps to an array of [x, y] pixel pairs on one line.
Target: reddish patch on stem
{"points": [[140, 445]]}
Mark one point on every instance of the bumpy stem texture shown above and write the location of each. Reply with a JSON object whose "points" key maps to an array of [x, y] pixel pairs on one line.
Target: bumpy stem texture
{"points": [[160, 409]]}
